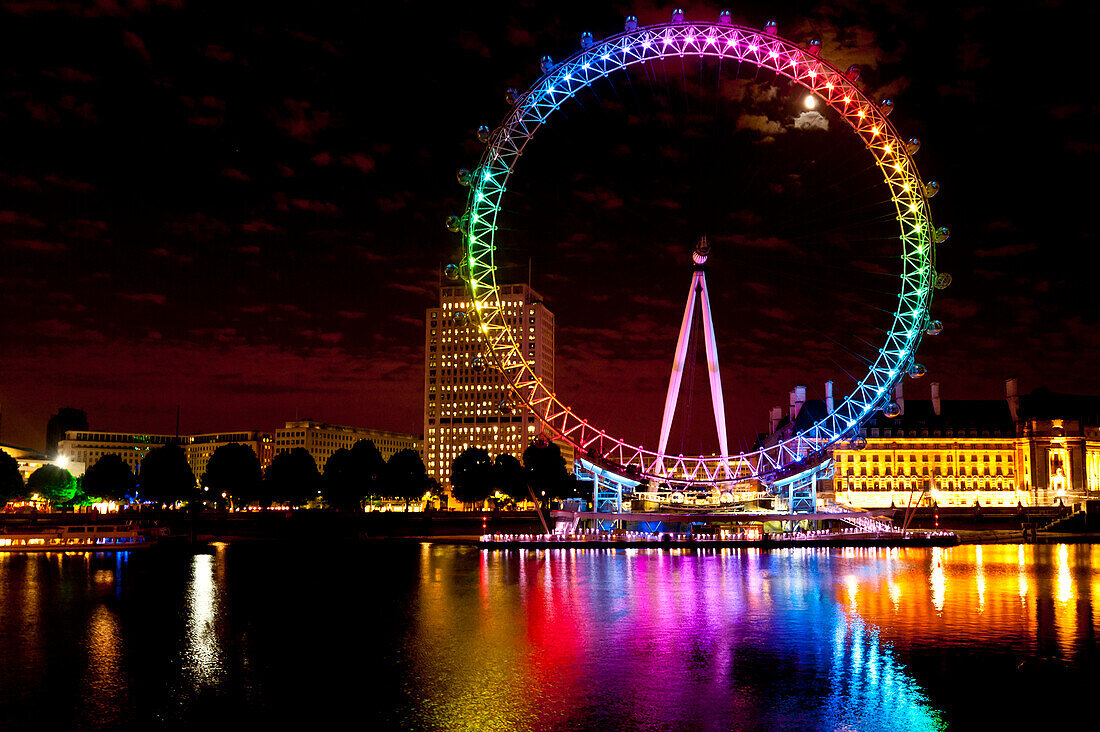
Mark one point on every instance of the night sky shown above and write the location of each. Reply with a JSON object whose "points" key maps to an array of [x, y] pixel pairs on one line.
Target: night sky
{"points": [[239, 209]]}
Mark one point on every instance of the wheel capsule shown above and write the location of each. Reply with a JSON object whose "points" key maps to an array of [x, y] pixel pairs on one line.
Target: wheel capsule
{"points": [[464, 177], [452, 272], [483, 134], [934, 328], [859, 442], [917, 370], [943, 281], [931, 188], [942, 234]]}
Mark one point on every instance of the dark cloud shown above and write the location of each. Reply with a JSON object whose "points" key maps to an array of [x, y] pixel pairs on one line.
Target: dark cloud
{"points": [[262, 195], [1009, 250], [301, 121]]}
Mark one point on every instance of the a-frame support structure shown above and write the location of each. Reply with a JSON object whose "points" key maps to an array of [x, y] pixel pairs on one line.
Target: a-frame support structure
{"points": [[698, 290]]}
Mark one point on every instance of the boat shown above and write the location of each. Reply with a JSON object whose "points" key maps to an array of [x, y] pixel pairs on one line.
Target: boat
{"points": [[76, 538]]}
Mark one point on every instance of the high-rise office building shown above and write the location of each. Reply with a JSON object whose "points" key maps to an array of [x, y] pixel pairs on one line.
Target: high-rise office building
{"points": [[462, 404]]}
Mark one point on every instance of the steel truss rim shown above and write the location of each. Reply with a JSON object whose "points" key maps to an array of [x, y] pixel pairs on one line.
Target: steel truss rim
{"points": [[733, 42]]}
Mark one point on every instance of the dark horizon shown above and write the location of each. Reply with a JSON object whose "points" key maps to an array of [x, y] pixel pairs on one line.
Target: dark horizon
{"points": [[241, 211]]}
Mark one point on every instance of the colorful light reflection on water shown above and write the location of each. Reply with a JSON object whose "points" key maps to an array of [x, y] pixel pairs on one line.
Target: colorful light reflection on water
{"points": [[453, 638]]}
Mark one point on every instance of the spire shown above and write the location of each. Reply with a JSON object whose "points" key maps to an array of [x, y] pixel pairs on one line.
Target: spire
{"points": [[698, 286]]}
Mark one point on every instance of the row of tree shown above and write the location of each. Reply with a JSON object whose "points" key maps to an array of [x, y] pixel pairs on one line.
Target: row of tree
{"points": [[234, 475], [542, 476]]}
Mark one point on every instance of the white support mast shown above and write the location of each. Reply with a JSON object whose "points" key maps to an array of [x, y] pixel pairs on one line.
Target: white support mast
{"points": [[698, 287]]}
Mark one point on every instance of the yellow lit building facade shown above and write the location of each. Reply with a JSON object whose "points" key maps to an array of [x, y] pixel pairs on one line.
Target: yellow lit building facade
{"points": [[462, 405], [321, 440], [962, 452]]}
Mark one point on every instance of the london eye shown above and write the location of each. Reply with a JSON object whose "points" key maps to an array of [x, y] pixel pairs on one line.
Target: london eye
{"points": [[893, 155]]}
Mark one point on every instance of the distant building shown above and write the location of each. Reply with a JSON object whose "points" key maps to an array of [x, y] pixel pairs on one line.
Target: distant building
{"points": [[86, 447], [83, 448], [29, 460], [461, 404], [67, 418], [321, 440], [1026, 450], [948, 452], [199, 448], [1061, 436]]}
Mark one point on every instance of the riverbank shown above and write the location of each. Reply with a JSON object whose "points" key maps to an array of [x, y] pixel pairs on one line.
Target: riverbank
{"points": [[973, 526]]}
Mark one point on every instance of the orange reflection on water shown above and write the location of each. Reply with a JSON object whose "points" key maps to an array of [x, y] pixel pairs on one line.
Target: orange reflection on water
{"points": [[503, 637], [983, 594]]}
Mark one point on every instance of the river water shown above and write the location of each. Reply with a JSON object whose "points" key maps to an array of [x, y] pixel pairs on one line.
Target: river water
{"points": [[454, 638]]}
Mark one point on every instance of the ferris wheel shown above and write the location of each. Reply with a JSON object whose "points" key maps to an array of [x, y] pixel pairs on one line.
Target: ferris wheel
{"points": [[830, 86]]}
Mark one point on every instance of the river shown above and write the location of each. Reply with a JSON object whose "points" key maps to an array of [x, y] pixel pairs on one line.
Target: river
{"points": [[437, 637]]}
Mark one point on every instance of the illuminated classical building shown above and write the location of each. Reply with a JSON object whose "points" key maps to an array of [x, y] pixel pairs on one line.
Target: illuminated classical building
{"points": [[1061, 436], [462, 404], [961, 452], [321, 440]]}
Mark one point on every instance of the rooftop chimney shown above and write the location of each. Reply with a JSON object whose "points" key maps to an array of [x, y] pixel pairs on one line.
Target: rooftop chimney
{"points": [[936, 397], [1012, 396], [798, 398], [829, 396], [774, 416], [899, 397]]}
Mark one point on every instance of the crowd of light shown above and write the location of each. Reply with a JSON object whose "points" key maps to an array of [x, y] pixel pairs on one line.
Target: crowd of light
{"points": [[750, 536]]}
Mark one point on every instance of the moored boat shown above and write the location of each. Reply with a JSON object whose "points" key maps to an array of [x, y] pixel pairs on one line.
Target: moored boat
{"points": [[77, 538]]}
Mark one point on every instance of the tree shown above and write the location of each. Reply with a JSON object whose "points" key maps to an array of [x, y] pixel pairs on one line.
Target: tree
{"points": [[343, 484], [406, 475], [234, 470], [53, 484], [11, 480], [292, 477], [433, 488], [472, 475], [545, 468], [109, 478], [508, 477], [166, 475], [371, 465]]}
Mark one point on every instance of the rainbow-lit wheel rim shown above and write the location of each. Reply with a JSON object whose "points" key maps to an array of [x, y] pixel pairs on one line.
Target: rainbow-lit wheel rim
{"points": [[736, 43]]}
